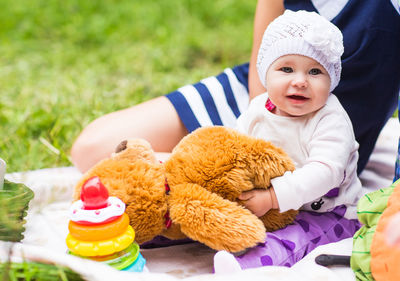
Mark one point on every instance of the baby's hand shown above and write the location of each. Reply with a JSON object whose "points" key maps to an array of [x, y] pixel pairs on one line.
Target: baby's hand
{"points": [[259, 201]]}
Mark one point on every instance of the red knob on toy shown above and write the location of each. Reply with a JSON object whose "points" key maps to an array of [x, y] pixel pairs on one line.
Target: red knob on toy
{"points": [[93, 194]]}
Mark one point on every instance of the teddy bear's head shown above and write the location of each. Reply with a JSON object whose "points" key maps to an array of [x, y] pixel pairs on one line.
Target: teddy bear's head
{"points": [[134, 175]]}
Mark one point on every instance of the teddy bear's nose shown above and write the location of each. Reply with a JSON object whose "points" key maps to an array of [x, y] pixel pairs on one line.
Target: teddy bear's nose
{"points": [[121, 146]]}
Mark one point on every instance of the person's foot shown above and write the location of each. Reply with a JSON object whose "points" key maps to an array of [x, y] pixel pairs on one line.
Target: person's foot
{"points": [[225, 262]]}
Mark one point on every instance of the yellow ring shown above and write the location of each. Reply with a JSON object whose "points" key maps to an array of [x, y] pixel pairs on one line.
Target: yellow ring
{"points": [[102, 247]]}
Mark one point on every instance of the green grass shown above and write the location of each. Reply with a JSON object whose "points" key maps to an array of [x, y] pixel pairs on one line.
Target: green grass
{"points": [[33, 271], [64, 63]]}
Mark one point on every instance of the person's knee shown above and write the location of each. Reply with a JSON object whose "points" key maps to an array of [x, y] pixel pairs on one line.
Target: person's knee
{"points": [[84, 153]]}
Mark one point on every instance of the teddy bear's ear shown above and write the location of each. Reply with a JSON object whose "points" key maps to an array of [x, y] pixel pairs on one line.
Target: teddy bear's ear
{"points": [[135, 149], [121, 146]]}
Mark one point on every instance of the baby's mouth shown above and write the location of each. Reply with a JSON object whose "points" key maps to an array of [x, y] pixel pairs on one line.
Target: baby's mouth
{"points": [[297, 97]]}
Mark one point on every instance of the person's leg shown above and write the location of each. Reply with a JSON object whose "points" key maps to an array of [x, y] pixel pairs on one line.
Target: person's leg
{"points": [[156, 121], [287, 246], [164, 121], [397, 164], [397, 167]]}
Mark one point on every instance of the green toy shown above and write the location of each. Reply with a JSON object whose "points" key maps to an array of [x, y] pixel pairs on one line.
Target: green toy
{"points": [[14, 202], [369, 210]]}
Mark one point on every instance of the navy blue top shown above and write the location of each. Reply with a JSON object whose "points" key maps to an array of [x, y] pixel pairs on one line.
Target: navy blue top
{"points": [[370, 81]]}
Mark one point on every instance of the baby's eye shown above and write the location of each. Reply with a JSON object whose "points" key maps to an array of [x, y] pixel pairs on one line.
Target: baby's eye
{"points": [[286, 69], [315, 71]]}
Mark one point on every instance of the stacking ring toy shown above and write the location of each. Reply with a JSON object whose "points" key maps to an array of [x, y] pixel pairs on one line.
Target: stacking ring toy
{"points": [[103, 247], [96, 232], [81, 215]]}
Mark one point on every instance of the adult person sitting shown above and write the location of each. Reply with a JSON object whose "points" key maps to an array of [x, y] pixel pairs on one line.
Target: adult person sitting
{"points": [[368, 89]]}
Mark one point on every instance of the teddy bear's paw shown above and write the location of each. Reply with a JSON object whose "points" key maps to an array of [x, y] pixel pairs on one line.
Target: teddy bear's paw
{"points": [[225, 263], [274, 219]]}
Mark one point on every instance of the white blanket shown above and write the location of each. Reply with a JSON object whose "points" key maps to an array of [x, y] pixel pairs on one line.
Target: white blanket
{"points": [[47, 222]]}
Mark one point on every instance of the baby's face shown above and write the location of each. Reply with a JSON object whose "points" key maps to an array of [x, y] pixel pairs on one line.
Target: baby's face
{"points": [[297, 85]]}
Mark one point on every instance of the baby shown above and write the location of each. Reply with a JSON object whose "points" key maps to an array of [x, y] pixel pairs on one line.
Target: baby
{"points": [[299, 65]]}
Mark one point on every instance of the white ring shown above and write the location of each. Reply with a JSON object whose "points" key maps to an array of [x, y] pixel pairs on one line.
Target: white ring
{"points": [[115, 208]]}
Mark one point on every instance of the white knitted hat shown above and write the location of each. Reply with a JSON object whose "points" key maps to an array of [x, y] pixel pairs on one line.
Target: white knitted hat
{"points": [[303, 33]]}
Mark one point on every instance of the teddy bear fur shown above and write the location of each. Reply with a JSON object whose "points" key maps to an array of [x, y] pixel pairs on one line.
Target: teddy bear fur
{"points": [[206, 173]]}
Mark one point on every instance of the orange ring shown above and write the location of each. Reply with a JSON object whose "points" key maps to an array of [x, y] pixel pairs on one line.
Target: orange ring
{"points": [[98, 232]]}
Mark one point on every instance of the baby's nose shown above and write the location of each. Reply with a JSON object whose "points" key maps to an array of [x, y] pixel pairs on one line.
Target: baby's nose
{"points": [[300, 81]]}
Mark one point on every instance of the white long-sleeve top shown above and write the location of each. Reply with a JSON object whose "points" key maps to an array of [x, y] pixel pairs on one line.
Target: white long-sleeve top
{"points": [[323, 148]]}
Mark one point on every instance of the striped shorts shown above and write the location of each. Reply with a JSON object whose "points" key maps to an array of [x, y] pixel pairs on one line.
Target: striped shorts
{"points": [[216, 100]]}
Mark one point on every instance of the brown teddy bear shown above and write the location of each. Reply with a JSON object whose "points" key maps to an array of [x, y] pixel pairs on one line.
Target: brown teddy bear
{"points": [[195, 192]]}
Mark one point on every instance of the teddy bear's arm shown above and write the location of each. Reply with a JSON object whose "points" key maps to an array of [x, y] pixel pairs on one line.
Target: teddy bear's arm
{"points": [[214, 221]]}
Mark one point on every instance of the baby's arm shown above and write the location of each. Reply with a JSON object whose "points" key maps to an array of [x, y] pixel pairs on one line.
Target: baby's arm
{"points": [[331, 165]]}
